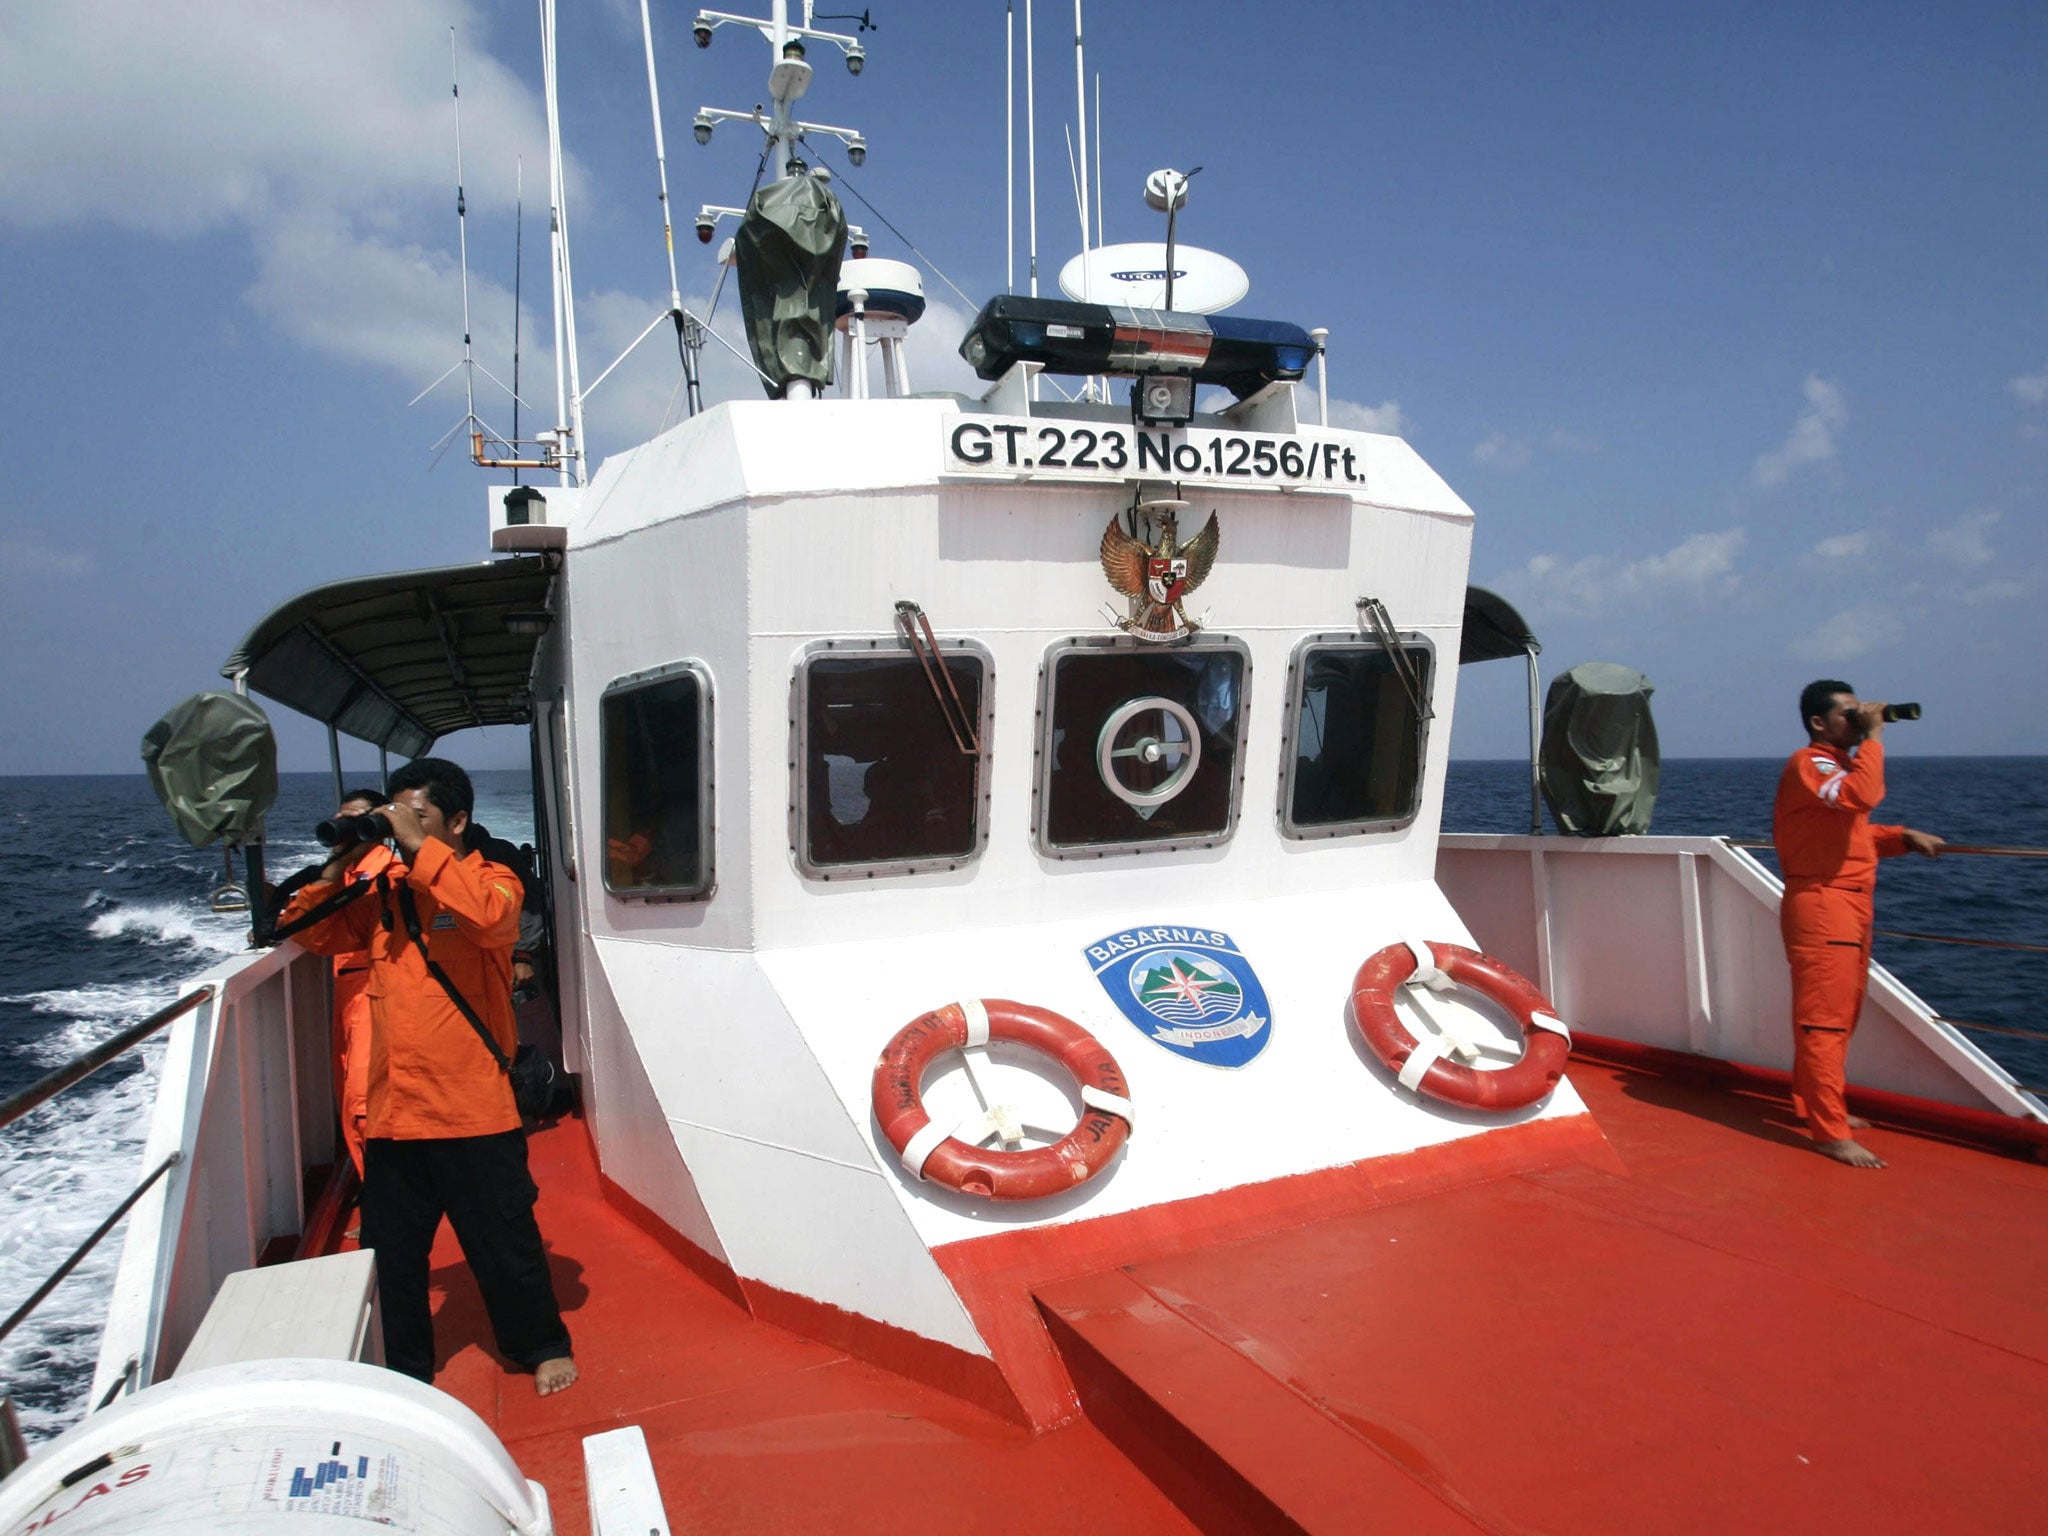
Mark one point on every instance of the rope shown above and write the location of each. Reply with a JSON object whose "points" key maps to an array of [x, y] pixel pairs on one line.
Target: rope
{"points": [[1947, 938], [920, 255]]}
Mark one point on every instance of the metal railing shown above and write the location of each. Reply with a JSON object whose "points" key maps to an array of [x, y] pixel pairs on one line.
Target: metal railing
{"points": [[86, 1063], [73, 1072], [1990, 850]]}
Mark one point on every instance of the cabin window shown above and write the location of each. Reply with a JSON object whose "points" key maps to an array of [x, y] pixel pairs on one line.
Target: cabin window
{"points": [[1353, 753], [657, 784], [1140, 745], [891, 776]]}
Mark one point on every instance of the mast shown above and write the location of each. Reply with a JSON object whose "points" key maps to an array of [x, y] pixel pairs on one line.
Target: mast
{"points": [[518, 279], [1081, 138], [1031, 145], [568, 385], [668, 233], [1009, 146], [462, 248]]}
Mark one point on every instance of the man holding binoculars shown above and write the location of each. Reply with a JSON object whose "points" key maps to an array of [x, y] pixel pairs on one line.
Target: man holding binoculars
{"points": [[1828, 852]]}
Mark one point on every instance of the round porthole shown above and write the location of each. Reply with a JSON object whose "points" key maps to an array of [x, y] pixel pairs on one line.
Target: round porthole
{"points": [[1142, 738]]}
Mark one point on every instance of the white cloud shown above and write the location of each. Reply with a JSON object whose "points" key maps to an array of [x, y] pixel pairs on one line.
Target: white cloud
{"points": [[1497, 450], [1697, 568], [33, 559], [1349, 415], [1508, 452], [2030, 388], [1844, 546], [1851, 633], [176, 119], [1999, 589], [1963, 543], [1812, 439]]}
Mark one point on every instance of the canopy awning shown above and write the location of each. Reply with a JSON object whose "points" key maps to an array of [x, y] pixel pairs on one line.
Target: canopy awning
{"points": [[1493, 630], [402, 660]]}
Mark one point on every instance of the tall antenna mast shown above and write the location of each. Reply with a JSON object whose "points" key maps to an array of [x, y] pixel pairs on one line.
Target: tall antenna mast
{"points": [[462, 241], [568, 386], [471, 423], [1099, 241], [1009, 146], [518, 275], [668, 234], [1031, 145], [1081, 136]]}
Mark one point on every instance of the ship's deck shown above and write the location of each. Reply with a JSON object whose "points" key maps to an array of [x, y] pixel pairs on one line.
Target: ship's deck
{"points": [[1731, 1334]]}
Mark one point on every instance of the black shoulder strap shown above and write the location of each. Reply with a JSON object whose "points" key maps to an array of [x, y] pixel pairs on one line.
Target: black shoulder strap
{"points": [[411, 911], [320, 911]]}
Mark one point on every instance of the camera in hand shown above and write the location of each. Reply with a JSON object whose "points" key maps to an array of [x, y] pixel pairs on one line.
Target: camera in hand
{"points": [[1901, 712], [373, 828]]}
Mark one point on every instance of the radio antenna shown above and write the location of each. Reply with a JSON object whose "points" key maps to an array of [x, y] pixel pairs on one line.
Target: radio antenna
{"points": [[1009, 146], [470, 422], [518, 274]]}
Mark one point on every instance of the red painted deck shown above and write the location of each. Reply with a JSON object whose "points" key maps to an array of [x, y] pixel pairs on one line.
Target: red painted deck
{"points": [[751, 1428], [1732, 1334], [1735, 1335]]}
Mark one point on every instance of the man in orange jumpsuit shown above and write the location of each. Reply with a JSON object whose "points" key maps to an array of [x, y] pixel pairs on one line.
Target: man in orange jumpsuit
{"points": [[352, 993], [443, 1130], [1828, 851]]}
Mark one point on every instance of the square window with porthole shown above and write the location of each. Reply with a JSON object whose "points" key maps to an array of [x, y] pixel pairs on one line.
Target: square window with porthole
{"points": [[1352, 757], [888, 758], [656, 764], [1140, 745]]}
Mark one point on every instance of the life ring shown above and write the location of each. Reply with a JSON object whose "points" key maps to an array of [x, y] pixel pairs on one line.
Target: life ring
{"points": [[930, 1151], [1424, 1067]]}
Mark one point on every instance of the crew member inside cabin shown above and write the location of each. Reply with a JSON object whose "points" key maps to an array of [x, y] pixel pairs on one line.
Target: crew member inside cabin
{"points": [[1828, 850], [443, 1133], [352, 991]]}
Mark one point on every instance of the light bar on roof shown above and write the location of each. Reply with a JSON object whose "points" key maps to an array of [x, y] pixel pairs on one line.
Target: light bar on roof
{"points": [[1243, 356]]}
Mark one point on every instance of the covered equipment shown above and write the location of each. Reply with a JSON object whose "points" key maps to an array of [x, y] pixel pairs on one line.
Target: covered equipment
{"points": [[213, 763], [1600, 761], [788, 252]]}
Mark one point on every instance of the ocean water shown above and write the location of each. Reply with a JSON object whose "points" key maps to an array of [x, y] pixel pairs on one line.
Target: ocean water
{"points": [[104, 911]]}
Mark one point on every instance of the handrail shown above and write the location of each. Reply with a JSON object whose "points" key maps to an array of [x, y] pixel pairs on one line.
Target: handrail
{"points": [[1994, 850], [85, 1064], [1949, 938], [15, 1317], [1998, 1029]]}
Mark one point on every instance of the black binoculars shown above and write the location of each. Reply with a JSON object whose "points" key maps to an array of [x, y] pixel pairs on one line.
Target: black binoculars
{"points": [[1901, 712], [376, 827]]}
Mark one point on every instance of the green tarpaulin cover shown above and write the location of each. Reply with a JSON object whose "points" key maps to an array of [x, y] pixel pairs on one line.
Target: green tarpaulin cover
{"points": [[788, 252], [1600, 762], [213, 763]]}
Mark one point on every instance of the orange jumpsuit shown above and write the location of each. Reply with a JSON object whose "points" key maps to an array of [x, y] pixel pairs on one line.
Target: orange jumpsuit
{"points": [[352, 1016], [1828, 851], [428, 1075]]}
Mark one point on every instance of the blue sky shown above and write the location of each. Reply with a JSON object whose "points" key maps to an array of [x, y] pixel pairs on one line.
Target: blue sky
{"points": [[1730, 322]]}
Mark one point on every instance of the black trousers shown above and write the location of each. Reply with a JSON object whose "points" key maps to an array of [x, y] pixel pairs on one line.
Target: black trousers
{"points": [[481, 1184]]}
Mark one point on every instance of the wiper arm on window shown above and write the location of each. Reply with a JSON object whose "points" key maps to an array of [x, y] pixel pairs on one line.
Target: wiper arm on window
{"points": [[1375, 621], [917, 630]]}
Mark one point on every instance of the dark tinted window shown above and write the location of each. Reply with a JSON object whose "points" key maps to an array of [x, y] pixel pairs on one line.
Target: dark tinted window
{"points": [[883, 779], [1357, 738], [656, 789], [1137, 711]]}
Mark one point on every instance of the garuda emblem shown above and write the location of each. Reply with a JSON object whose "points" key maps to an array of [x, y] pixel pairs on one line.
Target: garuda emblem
{"points": [[1157, 577]]}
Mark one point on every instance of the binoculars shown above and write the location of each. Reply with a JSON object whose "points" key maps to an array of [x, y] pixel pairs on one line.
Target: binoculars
{"points": [[376, 827]]}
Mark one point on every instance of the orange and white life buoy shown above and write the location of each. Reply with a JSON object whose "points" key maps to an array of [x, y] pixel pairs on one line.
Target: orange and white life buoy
{"points": [[930, 1150], [1426, 1066]]}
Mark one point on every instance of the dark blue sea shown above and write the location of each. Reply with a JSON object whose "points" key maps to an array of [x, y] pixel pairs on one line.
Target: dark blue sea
{"points": [[104, 909]]}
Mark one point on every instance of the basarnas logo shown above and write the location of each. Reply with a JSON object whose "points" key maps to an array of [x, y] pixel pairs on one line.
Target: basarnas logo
{"points": [[1190, 990]]}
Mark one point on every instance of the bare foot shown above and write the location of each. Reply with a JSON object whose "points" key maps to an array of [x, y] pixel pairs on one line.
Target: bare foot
{"points": [[1856, 1122], [559, 1374], [1846, 1151]]}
